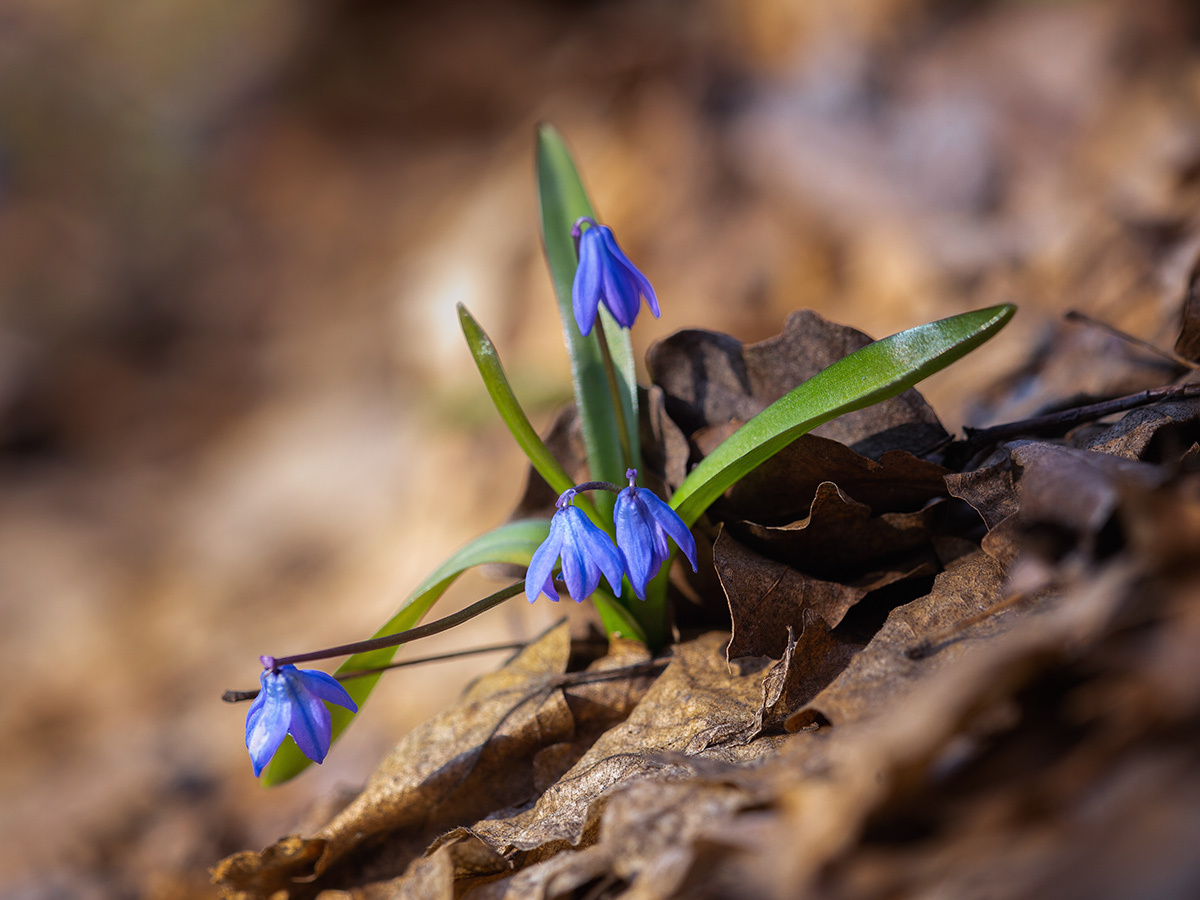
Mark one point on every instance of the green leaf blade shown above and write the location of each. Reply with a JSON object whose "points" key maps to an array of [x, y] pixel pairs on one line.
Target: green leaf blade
{"points": [[511, 543], [487, 360], [877, 372]]}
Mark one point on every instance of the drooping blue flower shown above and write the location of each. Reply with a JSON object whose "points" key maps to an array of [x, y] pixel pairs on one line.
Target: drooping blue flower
{"points": [[292, 701], [585, 550], [606, 275], [643, 524]]}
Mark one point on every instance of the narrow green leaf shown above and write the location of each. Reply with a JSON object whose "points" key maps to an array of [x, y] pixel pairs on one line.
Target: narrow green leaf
{"points": [[563, 200], [488, 362], [867, 376], [512, 543], [616, 619]]}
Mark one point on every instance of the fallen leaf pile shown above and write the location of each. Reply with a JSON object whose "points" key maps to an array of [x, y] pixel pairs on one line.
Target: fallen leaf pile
{"points": [[931, 679]]}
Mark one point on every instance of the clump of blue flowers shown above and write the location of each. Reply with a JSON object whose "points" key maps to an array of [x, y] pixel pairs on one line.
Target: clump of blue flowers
{"points": [[642, 522], [605, 275], [292, 701], [628, 539], [585, 550]]}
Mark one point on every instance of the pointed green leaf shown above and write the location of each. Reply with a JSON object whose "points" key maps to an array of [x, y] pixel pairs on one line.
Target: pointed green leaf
{"points": [[512, 543], [867, 376], [540, 457], [563, 200], [616, 619]]}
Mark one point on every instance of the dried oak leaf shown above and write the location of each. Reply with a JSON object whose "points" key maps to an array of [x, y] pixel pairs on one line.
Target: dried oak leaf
{"points": [[665, 447], [809, 664], [695, 701], [989, 488], [840, 534], [908, 725], [887, 667], [1188, 343], [1077, 490], [782, 488], [1160, 434], [712, 379], [767, 598], [629, 808]]}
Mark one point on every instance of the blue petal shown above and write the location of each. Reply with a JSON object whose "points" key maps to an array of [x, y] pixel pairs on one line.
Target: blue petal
{"points": [[639, 284], [328, 688], [271, 719], [549, 590], [585, 289], [620, 294], [311, 727], [670, 522], [588, 552], [253, 714], [541, 565], [635, 541]]}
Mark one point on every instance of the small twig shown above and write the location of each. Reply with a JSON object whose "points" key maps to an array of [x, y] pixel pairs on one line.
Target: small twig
{"points": [[1063, 421], [1075, 315]]}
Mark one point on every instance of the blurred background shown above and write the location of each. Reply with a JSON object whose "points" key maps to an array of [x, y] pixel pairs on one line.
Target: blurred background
{"points": [[236, 412]]}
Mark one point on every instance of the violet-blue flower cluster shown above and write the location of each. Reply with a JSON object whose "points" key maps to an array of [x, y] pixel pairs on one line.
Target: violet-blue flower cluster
{"points": [[605, 275], [585, 550], [643, 524], [292, 701]]}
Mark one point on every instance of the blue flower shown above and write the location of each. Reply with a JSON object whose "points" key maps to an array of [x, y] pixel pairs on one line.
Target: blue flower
{"points": [[586, 552], [606, 274], [291, 702], [643, 524]]}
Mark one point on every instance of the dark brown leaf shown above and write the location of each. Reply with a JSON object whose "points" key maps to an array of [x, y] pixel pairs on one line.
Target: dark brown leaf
{"points": [[840, 534], [1077, 490], [767, 598], [989, 488], [809, 664], [782, 489], [1161, 433], [887, 669]]}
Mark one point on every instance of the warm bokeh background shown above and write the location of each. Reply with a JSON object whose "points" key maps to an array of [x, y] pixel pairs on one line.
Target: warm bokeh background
{"points": [[236, 414]]}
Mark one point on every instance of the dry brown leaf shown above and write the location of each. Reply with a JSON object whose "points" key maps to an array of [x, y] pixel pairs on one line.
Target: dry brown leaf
{"points": [[888, 667], [767, 598], [782, 488], [809, 664], [989, 488], [1077, 490], [1188, 342], [840, 534], [1160, 434]]}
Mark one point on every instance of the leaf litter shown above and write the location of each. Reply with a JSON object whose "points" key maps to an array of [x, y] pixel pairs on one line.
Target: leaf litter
{"points": [[915, 667], [932, 678]]}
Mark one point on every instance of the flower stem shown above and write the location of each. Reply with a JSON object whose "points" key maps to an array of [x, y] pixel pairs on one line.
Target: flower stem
{"points": [[403, 637], [598, 486], [239, 696], [614, 390]]}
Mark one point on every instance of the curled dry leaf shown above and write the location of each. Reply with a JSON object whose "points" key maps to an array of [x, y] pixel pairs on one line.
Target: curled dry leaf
{"points": [[767, 598], [840, 535]]}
